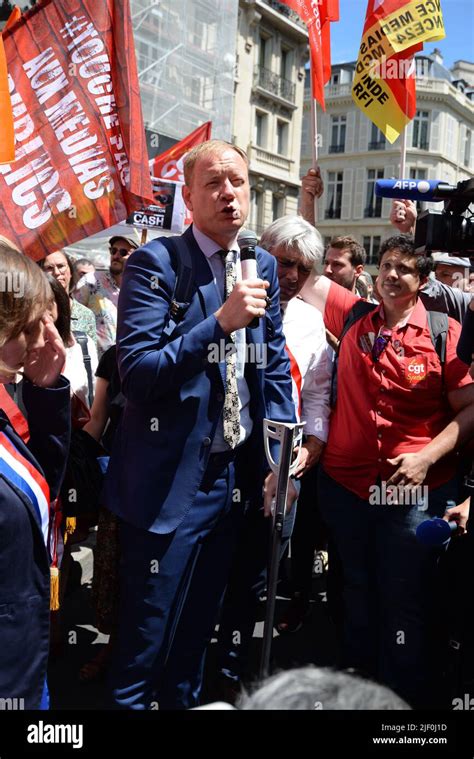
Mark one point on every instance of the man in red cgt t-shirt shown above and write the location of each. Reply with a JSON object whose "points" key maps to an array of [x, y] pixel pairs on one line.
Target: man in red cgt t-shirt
{"points": [[389, 464]]}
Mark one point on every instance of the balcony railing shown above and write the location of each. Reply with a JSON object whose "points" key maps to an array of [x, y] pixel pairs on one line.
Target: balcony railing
{"points": [[377, 145], [285, 11], [274, 83], [336, 148], [422, 145]]}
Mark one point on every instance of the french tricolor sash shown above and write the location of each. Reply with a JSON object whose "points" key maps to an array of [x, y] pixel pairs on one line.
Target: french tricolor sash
{"points": [[296, 381], [21, 473]]}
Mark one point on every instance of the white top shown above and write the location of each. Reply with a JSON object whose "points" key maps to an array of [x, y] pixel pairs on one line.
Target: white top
{"points": [[305, 335], [210, 248], [75, 370]]}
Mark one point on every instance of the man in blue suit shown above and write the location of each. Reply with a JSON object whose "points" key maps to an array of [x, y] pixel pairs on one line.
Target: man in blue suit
{"points": [[189, 452]]}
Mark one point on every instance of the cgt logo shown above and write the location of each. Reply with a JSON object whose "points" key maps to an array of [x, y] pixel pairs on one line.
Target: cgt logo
{"points": [[415, 370]]}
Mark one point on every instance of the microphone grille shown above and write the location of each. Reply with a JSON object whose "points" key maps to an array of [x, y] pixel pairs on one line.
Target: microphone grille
{"points": [[246, 238]]}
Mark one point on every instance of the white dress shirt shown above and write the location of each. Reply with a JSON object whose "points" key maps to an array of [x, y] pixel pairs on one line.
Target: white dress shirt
{"points": [[305, 335], [210, 250]]}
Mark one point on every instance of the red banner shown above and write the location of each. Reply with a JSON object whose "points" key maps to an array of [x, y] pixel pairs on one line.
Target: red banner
{"points": [[169, 165], [81, 159], [317, 15]]}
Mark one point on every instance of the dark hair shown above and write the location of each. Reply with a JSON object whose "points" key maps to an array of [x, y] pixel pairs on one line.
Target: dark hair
{"points": [[72, 282], [82, 261], [405, 244], [357, 254], [63, 322]]}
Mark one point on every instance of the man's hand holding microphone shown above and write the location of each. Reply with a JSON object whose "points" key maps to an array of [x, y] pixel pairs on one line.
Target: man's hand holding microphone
{"points": [[247, 300]]}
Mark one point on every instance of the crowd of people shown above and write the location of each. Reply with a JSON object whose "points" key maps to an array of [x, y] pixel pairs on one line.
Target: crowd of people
{"points": [[122, 363]]}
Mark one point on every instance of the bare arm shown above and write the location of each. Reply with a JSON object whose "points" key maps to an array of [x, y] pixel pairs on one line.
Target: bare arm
{"points": [[312, 187]]}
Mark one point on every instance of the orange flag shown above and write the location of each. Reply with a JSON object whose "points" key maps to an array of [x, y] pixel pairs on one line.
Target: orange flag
{"points": [[7, 135], [317, 15], [384, 86]]}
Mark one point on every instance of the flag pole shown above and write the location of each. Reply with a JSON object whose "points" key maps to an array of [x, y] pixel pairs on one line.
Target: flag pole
{"points": [[314, 137], [403, 145]]}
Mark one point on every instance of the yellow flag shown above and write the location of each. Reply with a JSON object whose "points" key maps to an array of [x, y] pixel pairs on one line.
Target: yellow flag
{"points": [[384, 82]]}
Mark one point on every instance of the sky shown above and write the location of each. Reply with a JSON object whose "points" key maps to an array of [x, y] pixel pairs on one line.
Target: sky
{"points": [[457, 45]]}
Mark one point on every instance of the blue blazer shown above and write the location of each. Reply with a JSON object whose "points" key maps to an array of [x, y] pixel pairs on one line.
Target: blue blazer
{"points": [[175, 395], [24, 559]]}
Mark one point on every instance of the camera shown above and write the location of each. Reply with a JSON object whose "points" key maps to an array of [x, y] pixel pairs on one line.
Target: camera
{"points": [[450, 230]]}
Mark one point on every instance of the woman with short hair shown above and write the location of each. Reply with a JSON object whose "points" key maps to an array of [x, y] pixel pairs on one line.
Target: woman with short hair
{"points": [[30, 476]]}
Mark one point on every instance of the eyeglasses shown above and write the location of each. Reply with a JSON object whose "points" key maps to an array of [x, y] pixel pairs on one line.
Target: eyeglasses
{"points": [[380, 343], [123, 251], [55, 267]]}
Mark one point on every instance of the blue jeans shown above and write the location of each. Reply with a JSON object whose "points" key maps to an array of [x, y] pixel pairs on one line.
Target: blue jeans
{"points": [[390, 588]]}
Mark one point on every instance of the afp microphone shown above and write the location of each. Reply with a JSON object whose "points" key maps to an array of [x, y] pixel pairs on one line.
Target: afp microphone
{"points": [[414, 189], [247, 240]]}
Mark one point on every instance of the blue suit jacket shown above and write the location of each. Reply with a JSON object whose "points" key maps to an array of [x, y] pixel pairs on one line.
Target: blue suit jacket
{"points": [[24, 559], [175, 395]]}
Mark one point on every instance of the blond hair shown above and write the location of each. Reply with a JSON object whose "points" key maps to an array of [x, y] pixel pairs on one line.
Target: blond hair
{"points": [[24, 292], [210, 147]]}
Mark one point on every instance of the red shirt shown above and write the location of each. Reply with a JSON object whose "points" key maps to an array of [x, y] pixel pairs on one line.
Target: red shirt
{"points": [[392, 406]]}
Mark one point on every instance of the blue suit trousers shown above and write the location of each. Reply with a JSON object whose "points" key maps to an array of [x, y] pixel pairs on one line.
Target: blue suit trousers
{"points": [[170, 593]]}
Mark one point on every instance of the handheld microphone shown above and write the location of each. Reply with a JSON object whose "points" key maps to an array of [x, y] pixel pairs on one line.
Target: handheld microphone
{"points": [[435, 532], [414, 189], [247, 241]]}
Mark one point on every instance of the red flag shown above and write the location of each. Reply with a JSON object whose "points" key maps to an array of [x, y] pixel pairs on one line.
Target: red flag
{"points": [[317, 15], [169, 165], [80, 150]]}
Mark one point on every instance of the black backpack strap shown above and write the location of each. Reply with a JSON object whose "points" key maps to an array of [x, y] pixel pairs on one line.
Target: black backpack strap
{"points": [[81, 338], [183, 260], [358, 310], [438, 324]]}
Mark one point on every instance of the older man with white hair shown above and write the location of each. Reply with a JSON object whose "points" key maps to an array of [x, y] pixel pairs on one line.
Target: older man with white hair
{"points": [[298, 248]]}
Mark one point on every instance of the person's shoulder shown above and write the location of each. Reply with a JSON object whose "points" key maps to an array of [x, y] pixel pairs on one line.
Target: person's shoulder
{"points": [[305, 313]]}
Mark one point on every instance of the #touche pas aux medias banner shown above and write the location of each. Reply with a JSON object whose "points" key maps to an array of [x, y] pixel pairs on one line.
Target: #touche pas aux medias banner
{"points": [[80, 150]]}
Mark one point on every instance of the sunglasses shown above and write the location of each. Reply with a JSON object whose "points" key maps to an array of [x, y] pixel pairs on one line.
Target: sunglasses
{"points": [[380, 343], [123, 251]]}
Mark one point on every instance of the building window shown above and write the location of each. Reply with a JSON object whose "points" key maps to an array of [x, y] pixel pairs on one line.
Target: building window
{"points": [[467, 147], [262, 55], [334, 195], [338, 134], [420, 130], [285, 63], [377, 139], [260, 129], [373, 205], [277, 207], [282, 137], [335, 78], [256, 211], [372, 247], [419, 174]]}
